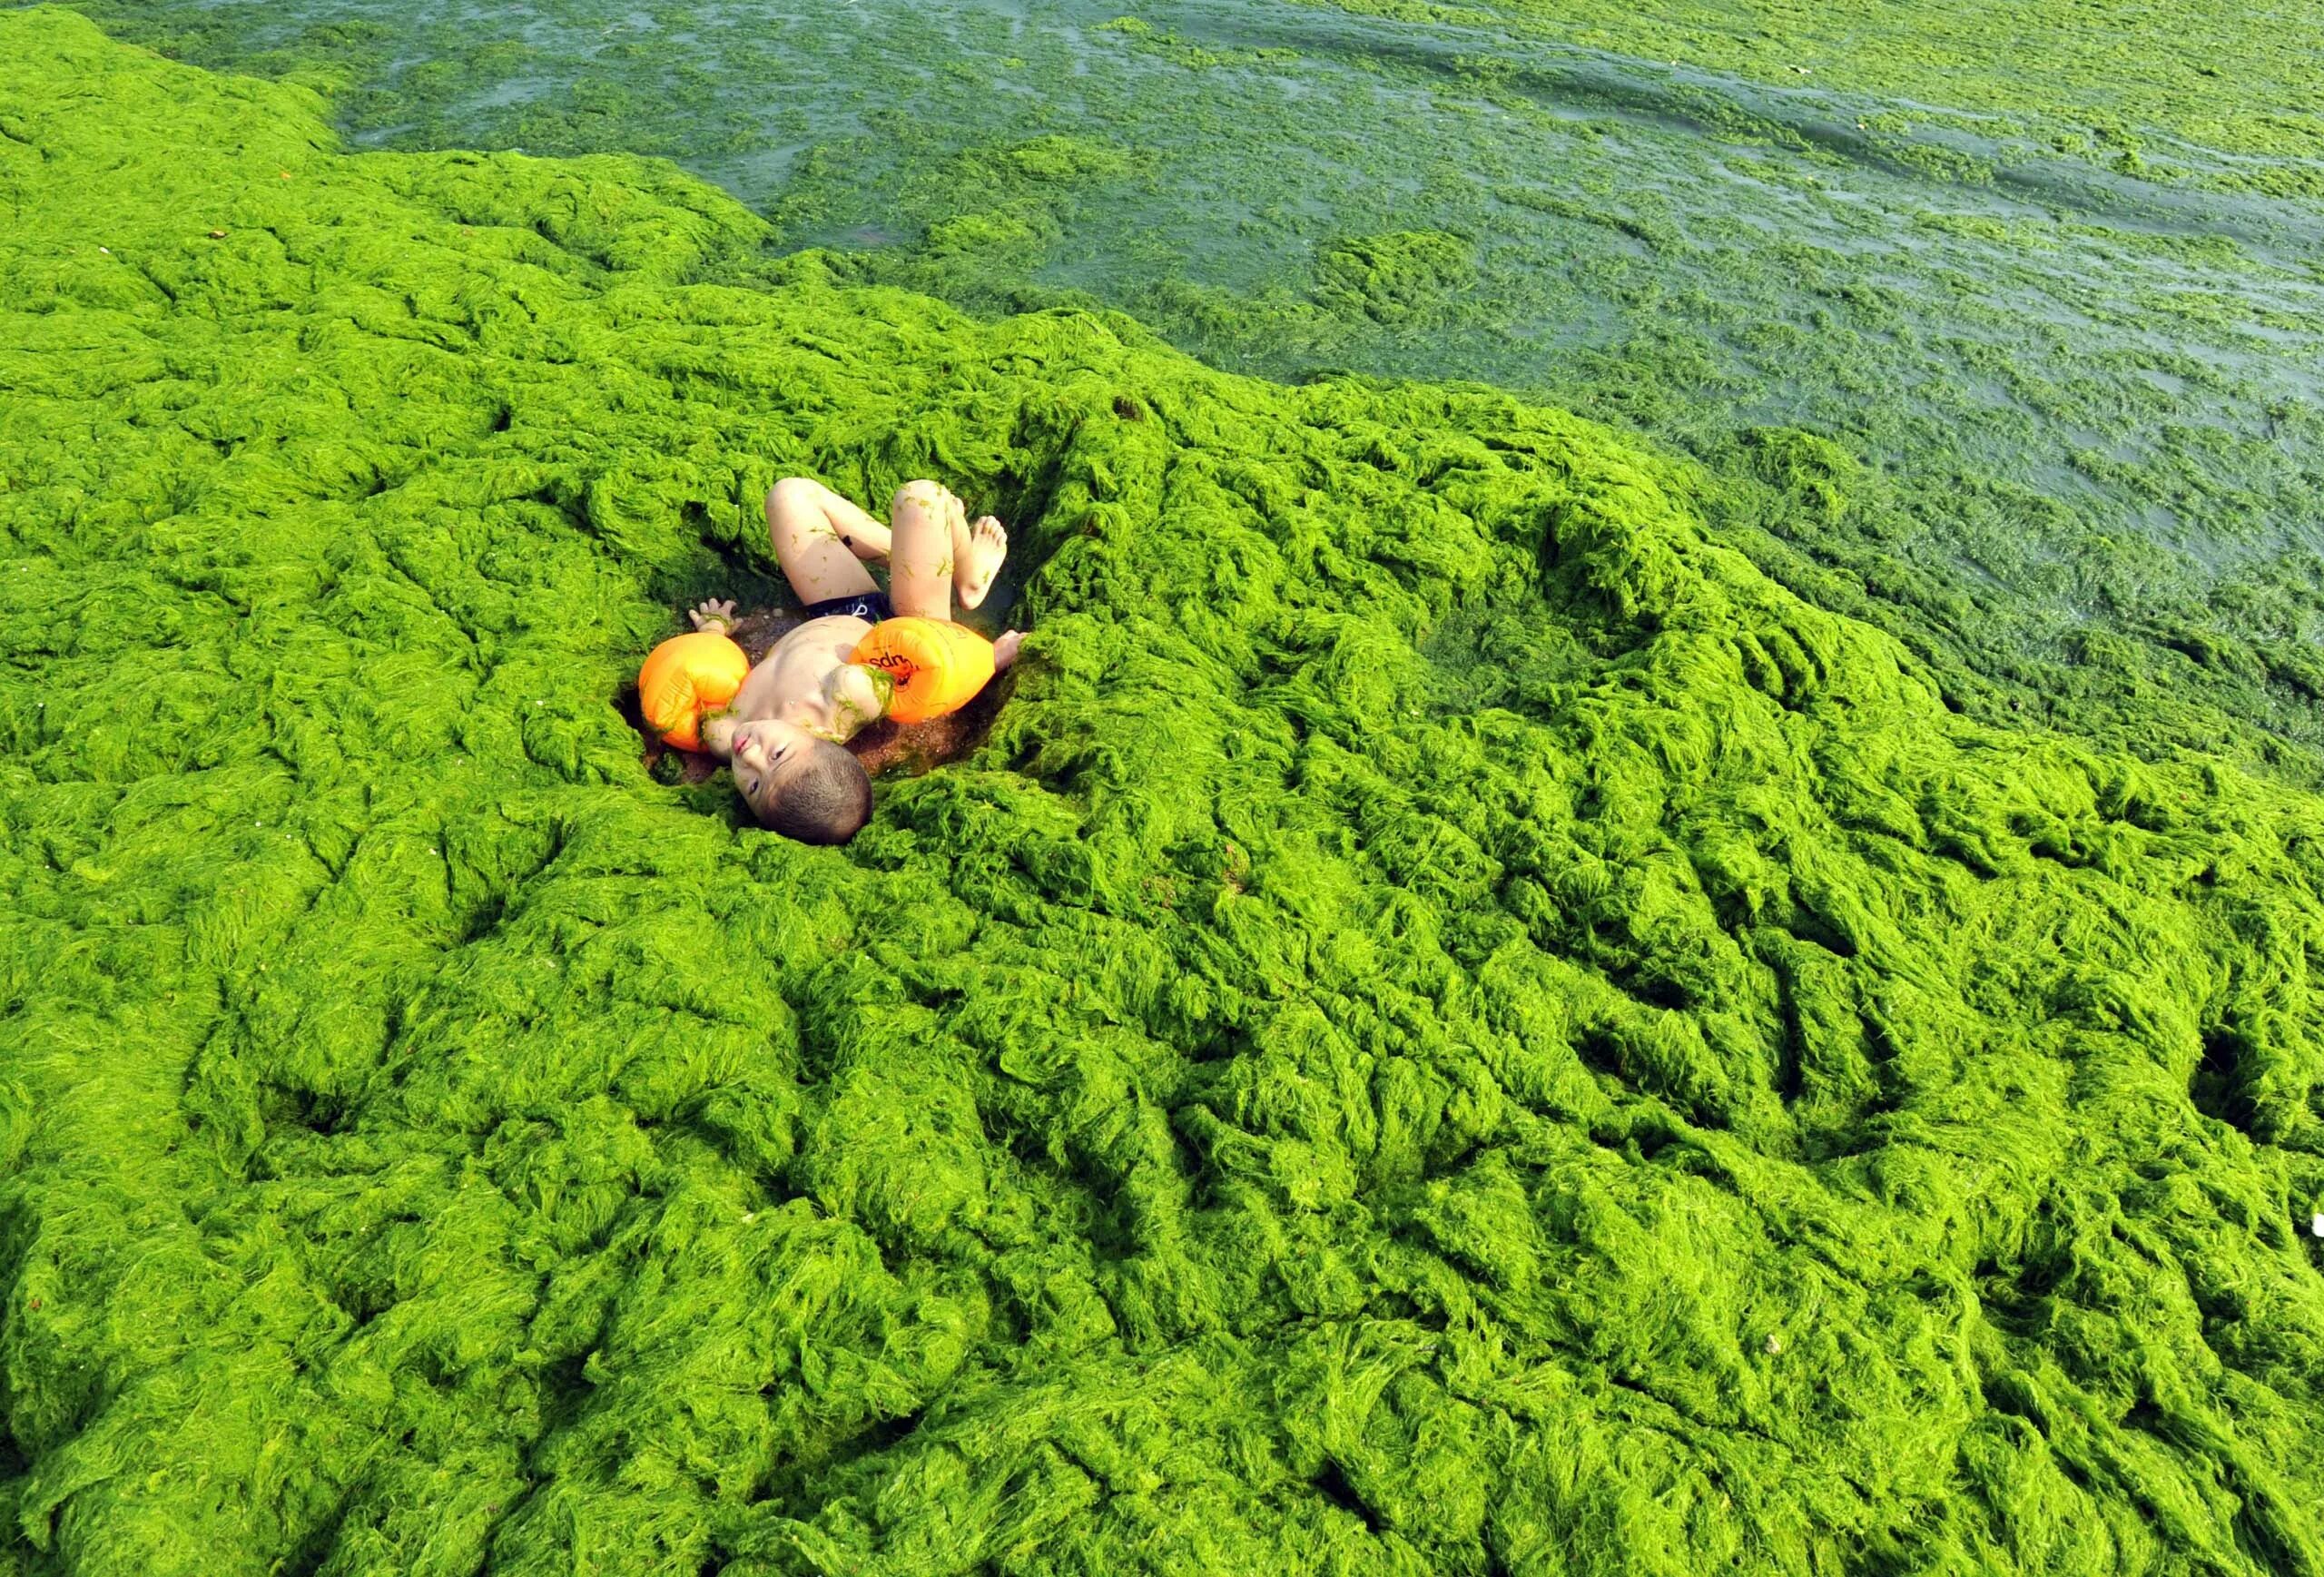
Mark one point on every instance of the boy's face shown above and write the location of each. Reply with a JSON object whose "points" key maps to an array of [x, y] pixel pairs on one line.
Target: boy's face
{"points": [[767, 756]]}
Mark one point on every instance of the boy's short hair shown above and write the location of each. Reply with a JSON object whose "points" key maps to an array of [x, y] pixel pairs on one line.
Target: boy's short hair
{"points": [[825, 799]]}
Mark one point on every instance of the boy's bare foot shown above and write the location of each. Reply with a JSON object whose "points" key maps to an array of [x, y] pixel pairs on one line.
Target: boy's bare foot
{"points": [[714, 615], [988, 548], [1004, 650]]}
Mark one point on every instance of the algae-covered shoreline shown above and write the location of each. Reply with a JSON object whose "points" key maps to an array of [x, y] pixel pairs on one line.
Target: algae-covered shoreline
{"points": [[1997, 324], [1453, 1026]]}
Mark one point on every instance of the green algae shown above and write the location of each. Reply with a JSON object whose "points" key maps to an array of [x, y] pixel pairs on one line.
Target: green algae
{"points": [[1406, 277], [2085, 73], [2064, 323], [1453, 1026]]}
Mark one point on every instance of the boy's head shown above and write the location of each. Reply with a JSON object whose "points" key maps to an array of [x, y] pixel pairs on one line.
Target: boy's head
{"points": [[799, 785]]}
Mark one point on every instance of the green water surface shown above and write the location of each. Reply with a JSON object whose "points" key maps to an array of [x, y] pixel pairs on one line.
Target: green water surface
{"points": [[2035, 287]]}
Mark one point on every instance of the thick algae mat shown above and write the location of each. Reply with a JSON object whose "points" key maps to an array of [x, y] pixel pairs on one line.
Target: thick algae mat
{"points": [[1453, 1026], [2029, 286]]}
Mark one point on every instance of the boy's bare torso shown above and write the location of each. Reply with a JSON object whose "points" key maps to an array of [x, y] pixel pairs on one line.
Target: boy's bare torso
{"points": [[800, 682]]}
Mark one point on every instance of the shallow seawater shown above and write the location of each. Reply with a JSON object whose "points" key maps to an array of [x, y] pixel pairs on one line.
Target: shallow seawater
{"points": [[2080, 357]]}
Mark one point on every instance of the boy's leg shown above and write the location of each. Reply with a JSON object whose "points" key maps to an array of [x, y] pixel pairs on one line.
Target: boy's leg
{"points": [[921, 552], [935, 553], [815, 532]]}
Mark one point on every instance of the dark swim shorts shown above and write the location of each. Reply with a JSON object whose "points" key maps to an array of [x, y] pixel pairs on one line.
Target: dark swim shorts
{"points": [[863, 605]]}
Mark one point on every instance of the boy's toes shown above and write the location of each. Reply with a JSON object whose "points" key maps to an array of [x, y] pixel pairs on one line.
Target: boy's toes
{"points": [[988, 547]]}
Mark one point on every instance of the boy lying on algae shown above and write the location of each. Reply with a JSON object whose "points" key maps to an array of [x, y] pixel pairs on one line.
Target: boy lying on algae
{"points": [[860, 656]]}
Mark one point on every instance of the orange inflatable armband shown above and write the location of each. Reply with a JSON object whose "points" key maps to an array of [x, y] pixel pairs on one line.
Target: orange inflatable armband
{"points": [[686, 677], [936, 666]]}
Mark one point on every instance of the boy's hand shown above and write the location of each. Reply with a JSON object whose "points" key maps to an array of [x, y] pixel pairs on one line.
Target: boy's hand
{"points": [[718, 616]]}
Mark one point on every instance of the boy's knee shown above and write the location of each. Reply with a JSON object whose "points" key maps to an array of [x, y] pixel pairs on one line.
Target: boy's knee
{"points": [[793, 493], [922, 494]]}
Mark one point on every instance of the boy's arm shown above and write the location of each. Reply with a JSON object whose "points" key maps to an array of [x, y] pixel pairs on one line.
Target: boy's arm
{"points": [[718, 734], [858, 695], [718, 731]]}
